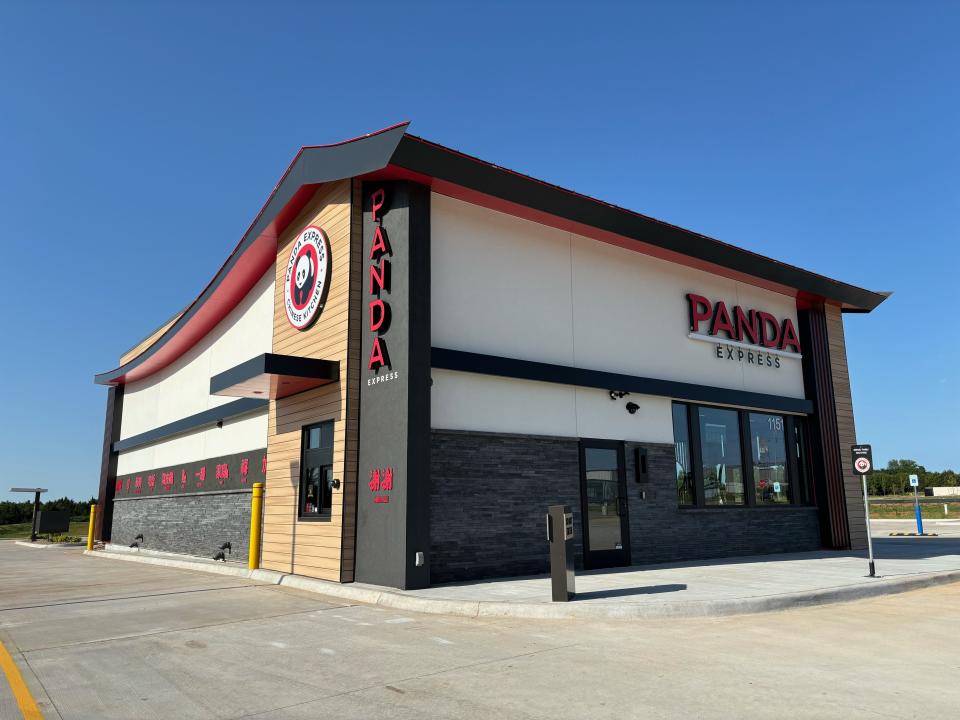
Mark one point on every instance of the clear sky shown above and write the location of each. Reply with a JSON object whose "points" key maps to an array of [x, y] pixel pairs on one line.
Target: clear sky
{"points": [[137, 143]]}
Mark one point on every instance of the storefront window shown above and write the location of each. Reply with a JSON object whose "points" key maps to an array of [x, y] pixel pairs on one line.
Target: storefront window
{"points": [[316, 470], [769, 450], [720, 457], [728, 458], [686, 494]]}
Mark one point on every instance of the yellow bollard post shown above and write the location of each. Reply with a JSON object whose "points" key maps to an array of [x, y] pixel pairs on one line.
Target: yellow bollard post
{"points": [[93, 516], [256, 510]]}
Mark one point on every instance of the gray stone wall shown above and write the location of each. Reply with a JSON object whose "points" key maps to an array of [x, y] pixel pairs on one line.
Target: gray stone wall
{"points": [[489, 495], [189, 524], [490, 492], [661, 532]]}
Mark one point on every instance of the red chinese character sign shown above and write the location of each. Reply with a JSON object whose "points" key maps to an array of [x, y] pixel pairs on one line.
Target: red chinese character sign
{"points": [[381, 483], [230, 472], [307, 278]]}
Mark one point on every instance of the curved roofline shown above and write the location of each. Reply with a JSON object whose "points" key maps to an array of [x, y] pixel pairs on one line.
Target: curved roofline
{"points": [[392, 153], [311, 167]]}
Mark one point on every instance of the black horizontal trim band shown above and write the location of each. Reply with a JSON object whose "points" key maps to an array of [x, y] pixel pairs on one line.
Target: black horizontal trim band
{"points": [[446, 359], [439, 162], [207, 418]]}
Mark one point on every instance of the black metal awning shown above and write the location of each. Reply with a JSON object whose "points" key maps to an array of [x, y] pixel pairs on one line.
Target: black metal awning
{"points": [[274, 376]]}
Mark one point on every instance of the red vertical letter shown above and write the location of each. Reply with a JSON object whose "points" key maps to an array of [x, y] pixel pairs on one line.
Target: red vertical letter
{"points": [[376, 202], [378, 313], [376, 355]]}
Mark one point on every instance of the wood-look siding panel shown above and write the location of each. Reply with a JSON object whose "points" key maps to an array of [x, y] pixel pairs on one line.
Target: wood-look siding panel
{"points": [[314, 548], [846, 427]]}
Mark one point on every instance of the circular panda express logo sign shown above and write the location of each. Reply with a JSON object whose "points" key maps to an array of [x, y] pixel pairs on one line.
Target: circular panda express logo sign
{"points": [[308, 277]]}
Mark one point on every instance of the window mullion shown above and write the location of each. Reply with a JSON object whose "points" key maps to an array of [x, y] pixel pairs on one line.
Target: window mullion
{"points": [[696, 456], [746, 452]]}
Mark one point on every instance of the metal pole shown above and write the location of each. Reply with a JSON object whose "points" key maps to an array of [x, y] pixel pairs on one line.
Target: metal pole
{"points": [[866, 505], [36, 508], [916, 503], [93, 519], [256, 510]]}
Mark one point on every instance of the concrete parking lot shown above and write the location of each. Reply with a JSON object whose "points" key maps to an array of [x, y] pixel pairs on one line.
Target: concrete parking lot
{"points": [[98, 638]]}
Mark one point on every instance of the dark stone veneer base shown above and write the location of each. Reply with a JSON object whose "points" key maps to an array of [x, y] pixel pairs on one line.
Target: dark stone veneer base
{"points": [[490, 493], [189, 524]]}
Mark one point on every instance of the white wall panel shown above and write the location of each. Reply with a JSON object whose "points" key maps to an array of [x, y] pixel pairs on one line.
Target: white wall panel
{"points": [[506, 286], [245, 433], [484, 403], [498, 284], [183, 388]]}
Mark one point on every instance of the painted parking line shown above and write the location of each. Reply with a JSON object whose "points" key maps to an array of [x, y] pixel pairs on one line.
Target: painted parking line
{"points": [[21, 693]]}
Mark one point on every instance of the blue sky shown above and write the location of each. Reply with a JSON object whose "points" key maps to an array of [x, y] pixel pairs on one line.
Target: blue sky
{"points": [[137, 142]]}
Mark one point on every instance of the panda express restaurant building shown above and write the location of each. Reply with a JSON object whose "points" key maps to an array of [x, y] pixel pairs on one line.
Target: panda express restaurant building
{"points": [[418, 352]]}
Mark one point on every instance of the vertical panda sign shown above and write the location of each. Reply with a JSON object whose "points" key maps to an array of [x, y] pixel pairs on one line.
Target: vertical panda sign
{"points": [[393, 494]]}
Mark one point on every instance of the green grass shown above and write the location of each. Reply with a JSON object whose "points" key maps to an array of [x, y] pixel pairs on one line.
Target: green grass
{"points": [[19, 531], [904, 511]]}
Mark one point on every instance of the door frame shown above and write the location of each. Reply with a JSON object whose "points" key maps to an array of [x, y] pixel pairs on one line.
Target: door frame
{"points": [[594, 559]]}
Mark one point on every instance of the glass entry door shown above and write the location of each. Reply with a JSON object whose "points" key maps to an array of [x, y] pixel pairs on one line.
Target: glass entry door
{"points": [[603, 496]]}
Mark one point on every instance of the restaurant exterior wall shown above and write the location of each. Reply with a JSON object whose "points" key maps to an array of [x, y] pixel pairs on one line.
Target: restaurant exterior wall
{"points": [[660, 531], [468, 401], [490, 492], [194, 523], [189, 524], [183, 388], [323, 547], [513, 288]]}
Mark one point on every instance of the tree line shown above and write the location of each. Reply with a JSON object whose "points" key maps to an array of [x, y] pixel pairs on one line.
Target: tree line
{"points": [[894, 479], [22, 512]]}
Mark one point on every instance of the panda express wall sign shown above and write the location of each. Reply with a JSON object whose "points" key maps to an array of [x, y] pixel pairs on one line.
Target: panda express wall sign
{"points": [[752, 336], [308, 277]]}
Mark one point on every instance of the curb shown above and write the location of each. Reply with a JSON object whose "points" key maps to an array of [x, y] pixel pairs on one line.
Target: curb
{"points": [[388, 598], [41, 546]]}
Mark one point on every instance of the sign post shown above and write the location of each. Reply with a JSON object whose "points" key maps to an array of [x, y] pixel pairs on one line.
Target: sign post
{"points": [[36, 507], [915, 483], [862, 456]]}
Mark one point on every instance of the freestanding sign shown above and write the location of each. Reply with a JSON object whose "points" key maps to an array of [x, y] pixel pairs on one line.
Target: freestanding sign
{"points": [[862, 460], [915, 483]]}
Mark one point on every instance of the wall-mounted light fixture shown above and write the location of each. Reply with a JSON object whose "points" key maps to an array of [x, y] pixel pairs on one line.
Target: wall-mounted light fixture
{"points": [[219, 423], [618, 394]]}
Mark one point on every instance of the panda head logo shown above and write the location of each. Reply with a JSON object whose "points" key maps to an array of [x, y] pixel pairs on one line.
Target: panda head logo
{"points": [[303, 278]]}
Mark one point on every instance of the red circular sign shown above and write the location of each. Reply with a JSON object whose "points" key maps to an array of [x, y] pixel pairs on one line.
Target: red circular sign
{"points": [[307, 278]]}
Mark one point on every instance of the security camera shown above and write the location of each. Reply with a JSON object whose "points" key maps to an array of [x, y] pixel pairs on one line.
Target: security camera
{"points": [[632, 408]]}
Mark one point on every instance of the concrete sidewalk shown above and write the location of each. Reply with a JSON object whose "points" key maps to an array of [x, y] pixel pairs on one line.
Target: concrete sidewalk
{"points": [[693, 589]]}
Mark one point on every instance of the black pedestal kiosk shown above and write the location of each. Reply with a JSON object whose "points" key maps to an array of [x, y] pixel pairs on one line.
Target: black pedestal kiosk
{"points": [[560, 537]]}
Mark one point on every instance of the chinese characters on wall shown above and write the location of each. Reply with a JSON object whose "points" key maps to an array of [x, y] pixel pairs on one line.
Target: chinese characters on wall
{"points": [[381, 484], [230, 472]]}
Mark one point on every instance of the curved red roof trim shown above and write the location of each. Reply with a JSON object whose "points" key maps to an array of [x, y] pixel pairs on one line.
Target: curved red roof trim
{"points": [[251, 257]]}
